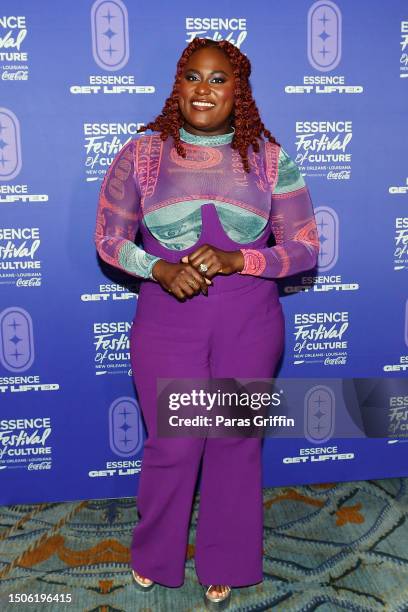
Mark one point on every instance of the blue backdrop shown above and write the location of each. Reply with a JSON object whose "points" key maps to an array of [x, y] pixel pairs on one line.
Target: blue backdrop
{"points": [[77, 80]]}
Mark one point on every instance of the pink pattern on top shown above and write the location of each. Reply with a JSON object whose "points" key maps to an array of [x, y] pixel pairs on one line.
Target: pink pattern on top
{"points": [[115, 208], [271, 163], [148, 154], [198, 158], [308, 234], [254, 262]]}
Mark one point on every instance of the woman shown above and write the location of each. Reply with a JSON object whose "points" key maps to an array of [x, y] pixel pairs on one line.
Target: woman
{"points": [[206, 191]]}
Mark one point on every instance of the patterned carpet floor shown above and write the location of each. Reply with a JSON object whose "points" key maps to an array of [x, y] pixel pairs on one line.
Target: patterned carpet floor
{"points": [[336, 546]]}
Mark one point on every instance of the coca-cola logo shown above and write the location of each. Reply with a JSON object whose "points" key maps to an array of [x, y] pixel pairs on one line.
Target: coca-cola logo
{"points": [[28, 282]]}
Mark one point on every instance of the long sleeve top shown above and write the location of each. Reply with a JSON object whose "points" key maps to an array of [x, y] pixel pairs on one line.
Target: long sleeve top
{"points": [[148, 182]]}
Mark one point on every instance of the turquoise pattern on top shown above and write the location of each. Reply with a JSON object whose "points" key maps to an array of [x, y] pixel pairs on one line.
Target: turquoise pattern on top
{"points": [[206, 141], [178, 226], [289, 176]]}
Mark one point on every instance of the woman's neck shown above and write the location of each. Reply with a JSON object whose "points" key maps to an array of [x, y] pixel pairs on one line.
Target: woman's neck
{"points": [[206, 140]]}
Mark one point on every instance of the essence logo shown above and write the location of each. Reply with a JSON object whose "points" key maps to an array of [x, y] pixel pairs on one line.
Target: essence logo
{"points": [[233, 29], [401, 244], [324, 49], [327, 222], [110, 34], [16, 339], [110, 50], [11, 161], [319, 412], [13, 56], [324, 35], [10, 145], [125, 427], [323, 148]]}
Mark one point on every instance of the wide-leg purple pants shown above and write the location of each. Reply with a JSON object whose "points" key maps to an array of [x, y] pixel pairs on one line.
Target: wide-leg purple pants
{"points": [[235, 332]]}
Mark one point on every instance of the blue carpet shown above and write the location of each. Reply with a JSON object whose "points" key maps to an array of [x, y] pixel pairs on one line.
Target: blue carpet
{"points": [[336, 546]]}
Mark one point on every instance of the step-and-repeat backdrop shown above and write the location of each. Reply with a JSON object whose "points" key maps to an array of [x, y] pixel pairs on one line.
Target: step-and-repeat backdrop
{"points": [[76, 81]]}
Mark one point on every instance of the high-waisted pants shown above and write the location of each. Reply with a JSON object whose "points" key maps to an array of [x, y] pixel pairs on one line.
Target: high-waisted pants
{"points": [[237, 331]]}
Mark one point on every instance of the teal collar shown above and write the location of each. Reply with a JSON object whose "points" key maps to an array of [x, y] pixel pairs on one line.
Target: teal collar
{"points": [[206, 141]]}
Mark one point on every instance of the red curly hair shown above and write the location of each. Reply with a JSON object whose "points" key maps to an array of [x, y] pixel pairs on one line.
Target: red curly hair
{"points": [[245, 117]]}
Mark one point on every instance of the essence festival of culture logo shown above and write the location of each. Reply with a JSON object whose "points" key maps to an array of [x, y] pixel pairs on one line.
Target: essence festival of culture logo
{"points": [[20, 264], [404, 50], [324, 51], [323, 149], [402, 365], [233, 29], [102, 141], [110, 50], [401, 244], [111, 342], [398, 417], [17, 352], [13, 56], [126, 438], [25, 443], [11, 162], [321, 338], [328, 224], [397, 414]]}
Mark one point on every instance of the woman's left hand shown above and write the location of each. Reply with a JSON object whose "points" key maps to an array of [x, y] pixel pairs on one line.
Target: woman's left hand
{"points": [[216, 260]]}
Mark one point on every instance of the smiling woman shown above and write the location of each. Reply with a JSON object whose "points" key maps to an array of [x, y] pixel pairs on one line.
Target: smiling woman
{"points": [[206, 92], [206, 190]]}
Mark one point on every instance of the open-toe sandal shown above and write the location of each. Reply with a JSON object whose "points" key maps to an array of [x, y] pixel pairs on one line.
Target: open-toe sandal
{"points": [[217, 602], [142, 586]]}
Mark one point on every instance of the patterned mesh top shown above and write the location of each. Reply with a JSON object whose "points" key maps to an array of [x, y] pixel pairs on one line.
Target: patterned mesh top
{"points": [[148, 182]]}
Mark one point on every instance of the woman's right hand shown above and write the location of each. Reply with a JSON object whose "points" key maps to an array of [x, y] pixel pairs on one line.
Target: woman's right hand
{"points": [[180, 279]]}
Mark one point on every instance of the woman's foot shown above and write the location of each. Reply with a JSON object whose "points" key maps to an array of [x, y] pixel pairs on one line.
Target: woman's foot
{"points": [[218, 590], [217, 593], [142, 581]]}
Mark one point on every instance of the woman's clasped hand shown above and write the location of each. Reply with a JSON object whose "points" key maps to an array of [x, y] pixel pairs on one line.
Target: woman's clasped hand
{"points": [[184, 280]]}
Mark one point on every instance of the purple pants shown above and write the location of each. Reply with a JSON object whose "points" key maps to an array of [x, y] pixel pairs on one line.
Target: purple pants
{"points": [[235, 332]]}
